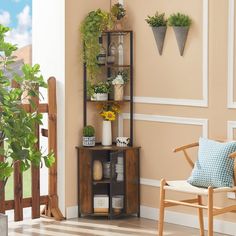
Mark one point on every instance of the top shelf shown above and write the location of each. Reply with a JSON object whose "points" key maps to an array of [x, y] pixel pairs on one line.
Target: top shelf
{"points": [[117, 32]]}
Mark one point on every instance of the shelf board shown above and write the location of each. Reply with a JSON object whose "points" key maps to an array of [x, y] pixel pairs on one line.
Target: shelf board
{"points": [[99, 147], [109, 101], [116, 32], [104, 181], [114, 66]]}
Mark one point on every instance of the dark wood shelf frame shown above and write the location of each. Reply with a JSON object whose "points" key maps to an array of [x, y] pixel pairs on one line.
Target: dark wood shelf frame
{"points": [[109, 35]]}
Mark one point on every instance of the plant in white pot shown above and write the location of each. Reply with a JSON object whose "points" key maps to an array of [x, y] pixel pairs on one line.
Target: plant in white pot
{"points": [[88, 136], [99, 91], [158, 23], [180, 23], [17, 127], [109, 113], [119, 82]]}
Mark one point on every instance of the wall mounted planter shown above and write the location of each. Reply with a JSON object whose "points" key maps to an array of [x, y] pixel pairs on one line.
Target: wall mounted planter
{"points": [[181, 33], [159, 34]]}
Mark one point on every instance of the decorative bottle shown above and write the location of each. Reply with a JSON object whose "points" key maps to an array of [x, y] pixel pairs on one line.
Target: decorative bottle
{"points": [[102, 54]]}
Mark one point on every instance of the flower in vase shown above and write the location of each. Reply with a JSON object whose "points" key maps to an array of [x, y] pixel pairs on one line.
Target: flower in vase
{"points": [[108, 115], [118, 80]]}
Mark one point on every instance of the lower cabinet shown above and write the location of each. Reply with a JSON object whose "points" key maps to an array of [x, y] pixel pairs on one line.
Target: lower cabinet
{"points": [[108, 181]]}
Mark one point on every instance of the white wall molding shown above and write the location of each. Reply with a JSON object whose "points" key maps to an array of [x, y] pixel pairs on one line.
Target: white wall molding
{"points": [[231, 125], [150, 182], [165, 119], [205, 70], [189, 220], [230, 87]]}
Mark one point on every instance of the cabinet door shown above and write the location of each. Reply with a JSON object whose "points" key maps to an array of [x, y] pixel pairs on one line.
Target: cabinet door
{"points": [[85, 180], [132, 180]]}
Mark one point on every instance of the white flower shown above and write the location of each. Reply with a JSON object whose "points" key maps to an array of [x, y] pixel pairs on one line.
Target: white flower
{"points": [[118, 80]]}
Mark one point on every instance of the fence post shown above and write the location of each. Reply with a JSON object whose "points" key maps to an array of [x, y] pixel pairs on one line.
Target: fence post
{"points": [[52, 209]]}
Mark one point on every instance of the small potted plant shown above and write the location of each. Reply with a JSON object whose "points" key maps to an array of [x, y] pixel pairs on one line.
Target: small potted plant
{"points": [[99, 91], [118, 82], [118, 13], [158, 23], [180, 24], [109, 113], [88, 136]]}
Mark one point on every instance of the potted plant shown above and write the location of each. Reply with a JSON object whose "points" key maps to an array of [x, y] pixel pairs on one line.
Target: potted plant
{"points": [[118, 82], [159, 26], [118, 13], [17, 137], [91, 29], [108, 112], [180, 24], [99, 91], [88, 136]]}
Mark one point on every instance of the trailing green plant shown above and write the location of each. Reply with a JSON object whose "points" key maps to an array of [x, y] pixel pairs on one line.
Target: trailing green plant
{"points": [[17, 127], [91, 29], [118, 11], [157, 20], [179, 19], [88, 131]]}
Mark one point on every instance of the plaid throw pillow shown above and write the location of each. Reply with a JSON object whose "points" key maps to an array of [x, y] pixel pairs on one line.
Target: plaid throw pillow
{"points": [[214, 167]]}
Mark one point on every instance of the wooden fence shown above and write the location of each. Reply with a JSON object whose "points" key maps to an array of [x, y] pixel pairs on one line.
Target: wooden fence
{"points": [[51, 200]]}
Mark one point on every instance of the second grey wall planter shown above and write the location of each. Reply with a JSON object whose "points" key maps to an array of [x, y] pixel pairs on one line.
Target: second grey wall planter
{"points": [[181, 34], [159, 34]]}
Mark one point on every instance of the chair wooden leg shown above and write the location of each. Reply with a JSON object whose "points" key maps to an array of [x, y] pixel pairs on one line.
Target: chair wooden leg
{"points": [[200, 216], [210, 211], [161, 208]]}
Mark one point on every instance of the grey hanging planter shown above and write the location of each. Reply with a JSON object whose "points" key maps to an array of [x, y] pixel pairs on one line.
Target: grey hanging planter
{"points": [[159, 34], [181, 33], [3, 225]]}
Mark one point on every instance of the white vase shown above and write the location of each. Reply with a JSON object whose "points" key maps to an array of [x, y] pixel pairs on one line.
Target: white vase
{"points": [[106, 133]]}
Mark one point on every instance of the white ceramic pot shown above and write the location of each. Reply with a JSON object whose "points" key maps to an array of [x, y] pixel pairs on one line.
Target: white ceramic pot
{"points": [[106, 133], [100, 97], [89, 141], [118, 92], [3, 225]]}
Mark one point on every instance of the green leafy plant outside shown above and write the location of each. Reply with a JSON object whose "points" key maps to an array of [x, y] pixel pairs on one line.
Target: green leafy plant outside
{"points": [[17, 127], [179, 19], [88, 131], [91, 29], [118, 11], [157, 20]]}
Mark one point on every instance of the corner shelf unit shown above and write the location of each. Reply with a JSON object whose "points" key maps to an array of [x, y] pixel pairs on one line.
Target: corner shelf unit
{"points": [[108, 36]]}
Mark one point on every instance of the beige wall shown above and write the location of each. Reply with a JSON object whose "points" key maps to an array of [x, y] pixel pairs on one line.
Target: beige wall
{"points": [[167, 76]]}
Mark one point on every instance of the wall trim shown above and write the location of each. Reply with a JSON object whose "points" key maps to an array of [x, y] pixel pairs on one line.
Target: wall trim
{"points": [[189, 220], [205, 70], [150, 182], [165, 119], [230, 86], [231, 125]]}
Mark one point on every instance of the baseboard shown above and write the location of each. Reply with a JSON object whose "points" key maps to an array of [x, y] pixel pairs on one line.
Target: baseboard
{"points": [[220, 226], [189, 220], [72, 212]]}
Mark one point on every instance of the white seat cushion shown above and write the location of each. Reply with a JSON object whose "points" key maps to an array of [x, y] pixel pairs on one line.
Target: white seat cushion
{"points": [[184, 186]]}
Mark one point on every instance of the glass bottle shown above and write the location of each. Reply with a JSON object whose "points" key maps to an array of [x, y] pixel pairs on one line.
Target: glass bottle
{"points": [[102, 54], [112, 53], [120, 49]]}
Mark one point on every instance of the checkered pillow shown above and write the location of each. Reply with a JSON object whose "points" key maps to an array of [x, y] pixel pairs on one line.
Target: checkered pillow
{"points": [[214, 167]]}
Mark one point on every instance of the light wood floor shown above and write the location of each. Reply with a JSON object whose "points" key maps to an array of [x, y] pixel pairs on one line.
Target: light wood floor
{"points": [[101, 227]]}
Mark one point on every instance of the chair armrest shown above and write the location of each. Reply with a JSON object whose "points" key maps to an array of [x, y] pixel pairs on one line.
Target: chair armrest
{"points": [[232, 155], [196, 144]]}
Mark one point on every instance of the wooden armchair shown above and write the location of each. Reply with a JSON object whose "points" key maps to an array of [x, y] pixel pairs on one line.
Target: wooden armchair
{"points": [[184, 186]]}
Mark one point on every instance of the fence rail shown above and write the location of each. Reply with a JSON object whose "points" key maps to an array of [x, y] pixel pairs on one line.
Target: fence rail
{"points": [[51, 200]]}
